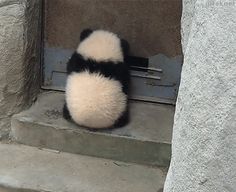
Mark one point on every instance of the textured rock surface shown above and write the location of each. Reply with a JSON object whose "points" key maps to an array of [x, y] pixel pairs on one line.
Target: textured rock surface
{"points": [[204, 137], [19, 61]]}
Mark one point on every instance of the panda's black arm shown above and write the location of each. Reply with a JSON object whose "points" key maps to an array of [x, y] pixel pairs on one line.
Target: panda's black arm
{"points": [[71, 63], [123, 75], [126, 79], [75, 63]]}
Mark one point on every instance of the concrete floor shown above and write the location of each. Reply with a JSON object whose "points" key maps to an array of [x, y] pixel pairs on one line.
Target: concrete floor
{"points": [[149, 121], [29, 169], [146, 139]]}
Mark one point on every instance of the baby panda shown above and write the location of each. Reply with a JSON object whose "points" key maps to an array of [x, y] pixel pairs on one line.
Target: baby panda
{"points": [[97, 85]]}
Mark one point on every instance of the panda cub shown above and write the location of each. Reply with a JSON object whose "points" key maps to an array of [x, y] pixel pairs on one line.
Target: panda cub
{"points": [[98, 81]]}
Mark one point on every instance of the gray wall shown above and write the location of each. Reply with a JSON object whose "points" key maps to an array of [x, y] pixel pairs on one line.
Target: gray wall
{"points": [[19, 57], [150, 26], [204, 135]]}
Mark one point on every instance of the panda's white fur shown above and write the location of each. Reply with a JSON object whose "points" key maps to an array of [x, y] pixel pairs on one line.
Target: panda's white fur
{"points": [[101, 46], [93, 100]]}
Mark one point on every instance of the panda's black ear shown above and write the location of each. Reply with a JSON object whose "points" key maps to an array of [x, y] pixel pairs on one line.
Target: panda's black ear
{"points": [[85, 33], [125, 47]]}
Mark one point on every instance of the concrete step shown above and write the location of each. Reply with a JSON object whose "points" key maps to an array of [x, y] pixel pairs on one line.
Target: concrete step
{"points": [[29, 169], [146, 140]]}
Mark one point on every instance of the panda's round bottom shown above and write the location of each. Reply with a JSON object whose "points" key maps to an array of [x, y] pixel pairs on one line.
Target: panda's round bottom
{"points": [[95, 101]]}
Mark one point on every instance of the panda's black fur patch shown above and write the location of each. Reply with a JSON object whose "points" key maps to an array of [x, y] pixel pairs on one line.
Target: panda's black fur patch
{"points": [[125, 47], [66, 113], [85, 33]]}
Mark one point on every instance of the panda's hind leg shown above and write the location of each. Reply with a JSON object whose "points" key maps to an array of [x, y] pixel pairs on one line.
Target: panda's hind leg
{"points": [[123, 120], [66, 113]]}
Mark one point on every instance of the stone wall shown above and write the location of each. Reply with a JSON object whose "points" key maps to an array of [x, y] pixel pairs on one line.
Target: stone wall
{"points": [[204, 135], [20, 59]]}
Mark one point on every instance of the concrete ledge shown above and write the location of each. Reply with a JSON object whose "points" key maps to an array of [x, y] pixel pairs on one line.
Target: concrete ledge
{"points": [[146, 140], [28, 169]]}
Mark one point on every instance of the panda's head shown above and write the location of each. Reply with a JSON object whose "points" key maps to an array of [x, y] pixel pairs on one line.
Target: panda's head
{"points": [[101, 45]]}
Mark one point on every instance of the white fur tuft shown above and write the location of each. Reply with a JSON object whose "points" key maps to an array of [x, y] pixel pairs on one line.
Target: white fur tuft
{"points": [[93, 100], [101, 46]]}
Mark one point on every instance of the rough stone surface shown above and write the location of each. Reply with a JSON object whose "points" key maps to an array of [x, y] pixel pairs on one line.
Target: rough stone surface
{"points": [[19, 61], [43, 170], [204, 135]]}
